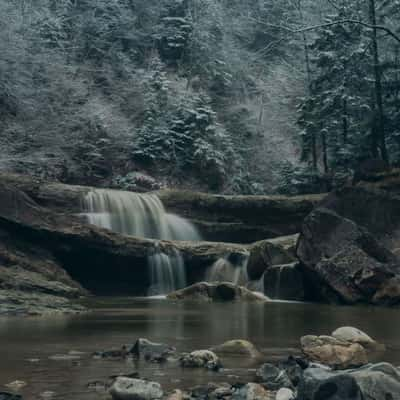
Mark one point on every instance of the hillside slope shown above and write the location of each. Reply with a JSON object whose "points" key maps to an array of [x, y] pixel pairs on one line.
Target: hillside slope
{"points": [[195, 94]]}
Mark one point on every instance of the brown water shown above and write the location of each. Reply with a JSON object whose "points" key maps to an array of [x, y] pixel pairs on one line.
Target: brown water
{"points": [[274, 327]]}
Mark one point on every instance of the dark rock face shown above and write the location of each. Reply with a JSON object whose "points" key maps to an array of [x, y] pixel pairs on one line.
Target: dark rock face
{"points": [[32, 281], [265, 254], [324, 233], [241, 219], [342, 261], [284, 282], [353, 276], [374, 209]]}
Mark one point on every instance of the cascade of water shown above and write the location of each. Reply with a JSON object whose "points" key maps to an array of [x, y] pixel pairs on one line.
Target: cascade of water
{"points": [[278, 283], [167, 272], [143, 215], [228, 270]]}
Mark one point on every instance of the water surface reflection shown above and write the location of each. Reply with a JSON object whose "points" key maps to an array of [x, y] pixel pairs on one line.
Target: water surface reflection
{"points": [[274, 327]]}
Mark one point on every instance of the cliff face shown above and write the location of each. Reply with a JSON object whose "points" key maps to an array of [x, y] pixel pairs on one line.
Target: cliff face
{"points": [[184, 92]]}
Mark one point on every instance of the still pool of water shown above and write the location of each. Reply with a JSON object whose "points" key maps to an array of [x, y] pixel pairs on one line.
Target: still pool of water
{"points": [[27, 343]]}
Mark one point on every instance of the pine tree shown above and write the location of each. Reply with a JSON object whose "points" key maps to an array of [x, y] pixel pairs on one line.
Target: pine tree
{"points": [[338, 100]]}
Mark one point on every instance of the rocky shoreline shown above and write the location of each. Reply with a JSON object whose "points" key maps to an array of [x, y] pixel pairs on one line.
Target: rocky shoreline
{"points": [[342, 366]]}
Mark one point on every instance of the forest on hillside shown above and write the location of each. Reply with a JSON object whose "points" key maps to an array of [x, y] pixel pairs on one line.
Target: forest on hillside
{"points": [[232, 96]]}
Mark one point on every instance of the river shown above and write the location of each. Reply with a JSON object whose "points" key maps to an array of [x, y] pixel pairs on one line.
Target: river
{"points": [[28, 345]]}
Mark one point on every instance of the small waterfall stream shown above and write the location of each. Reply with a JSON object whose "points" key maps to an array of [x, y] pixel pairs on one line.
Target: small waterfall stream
{"points": [[229, 270], [143, 215]]}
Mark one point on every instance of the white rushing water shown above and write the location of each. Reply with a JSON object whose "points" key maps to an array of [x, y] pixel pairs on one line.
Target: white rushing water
{"points": [[143, 215], [225, 270]]}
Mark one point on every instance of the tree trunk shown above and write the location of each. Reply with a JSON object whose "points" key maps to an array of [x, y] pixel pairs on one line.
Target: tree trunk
{"points": [[308, 79], [324, 153], [380, 132], [345, 122]]}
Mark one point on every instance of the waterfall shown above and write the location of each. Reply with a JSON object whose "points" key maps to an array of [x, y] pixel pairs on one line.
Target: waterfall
{"points": [[167, 272], [278, 283], [143, 215], [229, 269]]}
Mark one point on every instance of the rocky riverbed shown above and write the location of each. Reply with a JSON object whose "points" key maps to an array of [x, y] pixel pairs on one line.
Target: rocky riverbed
{"points": [[195, 347], [343, 365]]}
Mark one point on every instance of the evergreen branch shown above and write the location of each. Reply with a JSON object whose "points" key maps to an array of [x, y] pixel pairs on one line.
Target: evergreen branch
{"points": [[328, 24]]}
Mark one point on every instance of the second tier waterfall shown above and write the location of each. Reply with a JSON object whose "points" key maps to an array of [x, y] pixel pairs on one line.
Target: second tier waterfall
{"points": [[143, 215]]}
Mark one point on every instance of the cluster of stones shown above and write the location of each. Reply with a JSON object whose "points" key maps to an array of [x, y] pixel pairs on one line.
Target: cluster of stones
{"points": [[335, 367]]}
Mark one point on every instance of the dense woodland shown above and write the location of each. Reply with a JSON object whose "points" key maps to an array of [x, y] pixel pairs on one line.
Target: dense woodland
{"points": [[235, 96]]}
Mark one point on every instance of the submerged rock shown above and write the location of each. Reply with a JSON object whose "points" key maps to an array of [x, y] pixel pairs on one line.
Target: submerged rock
{"points": [[200, 359], [224, 291], [150, 351], [135, 389], [242, 348], [336, 353], [112, 354]]}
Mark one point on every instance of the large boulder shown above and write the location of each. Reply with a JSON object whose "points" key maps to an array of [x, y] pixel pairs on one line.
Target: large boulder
{"points": [[135, 389], [342, 261], [322, 384], [374, 209], [351, 276], [378, 381], [284, 282], [334, 352], [224, 291], [373, 381], [238, 348]]}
